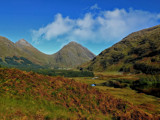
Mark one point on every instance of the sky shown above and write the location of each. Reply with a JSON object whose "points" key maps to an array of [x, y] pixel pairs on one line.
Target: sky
{"points": [[96, 24]]}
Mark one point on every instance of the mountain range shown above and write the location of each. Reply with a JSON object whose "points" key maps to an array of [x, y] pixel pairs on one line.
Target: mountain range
{"points": [[23, 53], [138, 52]]}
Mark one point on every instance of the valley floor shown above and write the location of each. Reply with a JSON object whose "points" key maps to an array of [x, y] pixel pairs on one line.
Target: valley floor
{"points": [[146, 102]]}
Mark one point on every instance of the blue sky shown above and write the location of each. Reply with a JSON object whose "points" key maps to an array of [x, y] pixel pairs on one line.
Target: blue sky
{"points": [[96, 24]]}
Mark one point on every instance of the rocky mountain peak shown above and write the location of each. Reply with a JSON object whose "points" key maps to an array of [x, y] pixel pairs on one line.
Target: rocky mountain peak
{"points": [[23, 42], [73, 42]]}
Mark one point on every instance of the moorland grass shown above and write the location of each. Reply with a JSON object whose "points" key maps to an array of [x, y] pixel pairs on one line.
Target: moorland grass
{"points": [[29, 108]]}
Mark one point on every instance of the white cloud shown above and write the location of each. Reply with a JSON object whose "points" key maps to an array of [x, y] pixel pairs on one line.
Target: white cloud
{"points": [[95, 6], [60, 26], [107, 26]]}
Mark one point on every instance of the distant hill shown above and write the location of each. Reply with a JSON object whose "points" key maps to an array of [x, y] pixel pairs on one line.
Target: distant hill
{"points": [[138, 52], [71, 55], [23, 53]]}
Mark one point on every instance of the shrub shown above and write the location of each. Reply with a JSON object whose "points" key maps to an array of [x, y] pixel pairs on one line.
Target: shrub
{"points": [[113, 83], [148, 84], [146, 68], [1, 60]]}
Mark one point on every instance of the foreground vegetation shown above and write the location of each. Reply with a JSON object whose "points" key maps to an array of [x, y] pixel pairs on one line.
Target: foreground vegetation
{"points": [[33, 96]]}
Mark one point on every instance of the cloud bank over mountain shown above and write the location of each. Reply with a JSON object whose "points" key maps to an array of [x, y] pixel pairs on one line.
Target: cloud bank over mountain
{"points": [[103, 26]]}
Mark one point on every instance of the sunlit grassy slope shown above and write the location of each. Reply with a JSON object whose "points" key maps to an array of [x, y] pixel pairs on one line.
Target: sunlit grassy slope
{"points": [[33, 96], [138, 52]]}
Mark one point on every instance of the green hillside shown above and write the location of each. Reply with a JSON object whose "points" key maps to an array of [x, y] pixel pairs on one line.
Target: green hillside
{"points": [[138, 52]]}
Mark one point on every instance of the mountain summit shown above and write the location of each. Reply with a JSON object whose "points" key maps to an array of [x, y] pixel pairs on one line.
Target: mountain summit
{"points": [[72, 54], [23, 42], [32, 53]]}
